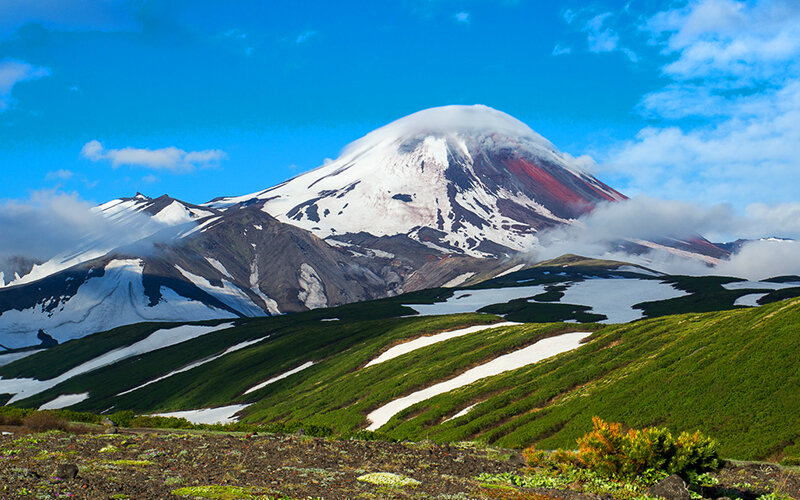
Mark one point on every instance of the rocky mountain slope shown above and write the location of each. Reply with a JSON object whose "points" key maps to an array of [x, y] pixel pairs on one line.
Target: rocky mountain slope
{"points": [[442, 197]]}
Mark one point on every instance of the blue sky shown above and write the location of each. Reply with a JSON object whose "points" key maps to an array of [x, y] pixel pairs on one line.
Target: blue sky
{"points": [[696, 101]]}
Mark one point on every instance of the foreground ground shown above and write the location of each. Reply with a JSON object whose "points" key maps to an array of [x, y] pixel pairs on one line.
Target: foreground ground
{"points": [[158, 464]]}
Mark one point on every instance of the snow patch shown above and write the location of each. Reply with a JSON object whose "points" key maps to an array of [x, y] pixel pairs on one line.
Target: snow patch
{"points": [[615, 297], [64, 401], [421, 342], [458, 280], [173, 214], [471, 300], [191, 366], [311, 293], [219, 267], [758, 285], [461, 413], [220, 415], [539, 351], [13, 356], [512, 270], [282, 376], [750, 300], [23, 388], [103, 302], [229, 294], [270, 304]]}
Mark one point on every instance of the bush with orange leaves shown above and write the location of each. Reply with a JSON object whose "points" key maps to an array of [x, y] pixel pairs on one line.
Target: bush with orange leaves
{"points": [[611, 452]]}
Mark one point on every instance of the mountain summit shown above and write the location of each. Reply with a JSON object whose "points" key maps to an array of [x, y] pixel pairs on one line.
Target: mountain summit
{"points": [[469, 179]]}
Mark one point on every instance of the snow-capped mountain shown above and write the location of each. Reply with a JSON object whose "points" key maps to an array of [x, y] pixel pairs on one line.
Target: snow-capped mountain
{"points": [[462, 179], [442, 197]]}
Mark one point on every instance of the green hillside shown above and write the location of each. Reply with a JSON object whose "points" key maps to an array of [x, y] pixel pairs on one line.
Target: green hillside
{"points": [[735, 375]]}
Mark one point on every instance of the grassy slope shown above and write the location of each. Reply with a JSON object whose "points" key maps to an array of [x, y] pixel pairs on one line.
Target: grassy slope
{"points": [[733, 374]]}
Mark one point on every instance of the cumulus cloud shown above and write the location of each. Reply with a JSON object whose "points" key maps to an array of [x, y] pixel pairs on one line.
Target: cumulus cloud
{"points": [[730, 117], [171, 159], [50, 222], [13, 72], [462, 17]]}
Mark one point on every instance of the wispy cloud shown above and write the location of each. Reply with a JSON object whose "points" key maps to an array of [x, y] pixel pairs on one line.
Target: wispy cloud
{"points": [[50, 222], [171, 159], [561, 50], [13, 72], [601, 37], [462, 17], [305, 36], [61, 174]]}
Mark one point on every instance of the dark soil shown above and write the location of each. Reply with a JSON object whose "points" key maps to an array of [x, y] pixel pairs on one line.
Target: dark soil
{"points": [[144, 464]]}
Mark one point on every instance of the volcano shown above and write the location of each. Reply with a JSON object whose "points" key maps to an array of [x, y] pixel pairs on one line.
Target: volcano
{"points": [[468, 179]]}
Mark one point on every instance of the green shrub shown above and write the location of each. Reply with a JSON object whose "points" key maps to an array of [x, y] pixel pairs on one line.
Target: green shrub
{"points": [[123, 418], [157, 422], [649, 452], [791, 461]]}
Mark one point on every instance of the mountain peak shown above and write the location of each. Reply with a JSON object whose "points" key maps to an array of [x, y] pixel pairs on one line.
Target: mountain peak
{"points": [[478, 179]]}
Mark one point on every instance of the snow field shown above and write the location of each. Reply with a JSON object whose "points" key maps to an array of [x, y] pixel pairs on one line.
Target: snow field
{"points": [[101, 303], [758, 285], [616, 297], [751, 299], [23, 388], [472, 300], [191, 366], [65, 400], [539, 351]]}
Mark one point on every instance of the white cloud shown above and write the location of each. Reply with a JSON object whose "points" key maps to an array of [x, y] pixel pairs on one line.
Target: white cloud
{"points": [[599, 233], [60, 174], [600, 40], [13, 72], [171, 158], [728, 38], [600, 36], [50, 222], [462, 17], [730, 118], [758, 260], [560, 50]]}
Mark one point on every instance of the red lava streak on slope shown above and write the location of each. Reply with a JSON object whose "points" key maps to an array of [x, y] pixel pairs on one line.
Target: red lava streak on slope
{"points": [[545, 183]]}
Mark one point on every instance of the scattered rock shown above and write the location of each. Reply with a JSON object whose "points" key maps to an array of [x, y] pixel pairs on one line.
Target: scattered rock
{"points": [[67, 471], [670, 488], [110, 425], [517, 460], [300, 432]]}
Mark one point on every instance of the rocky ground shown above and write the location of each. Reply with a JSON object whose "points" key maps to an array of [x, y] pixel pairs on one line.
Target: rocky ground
{"points": [[142, 464]]}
